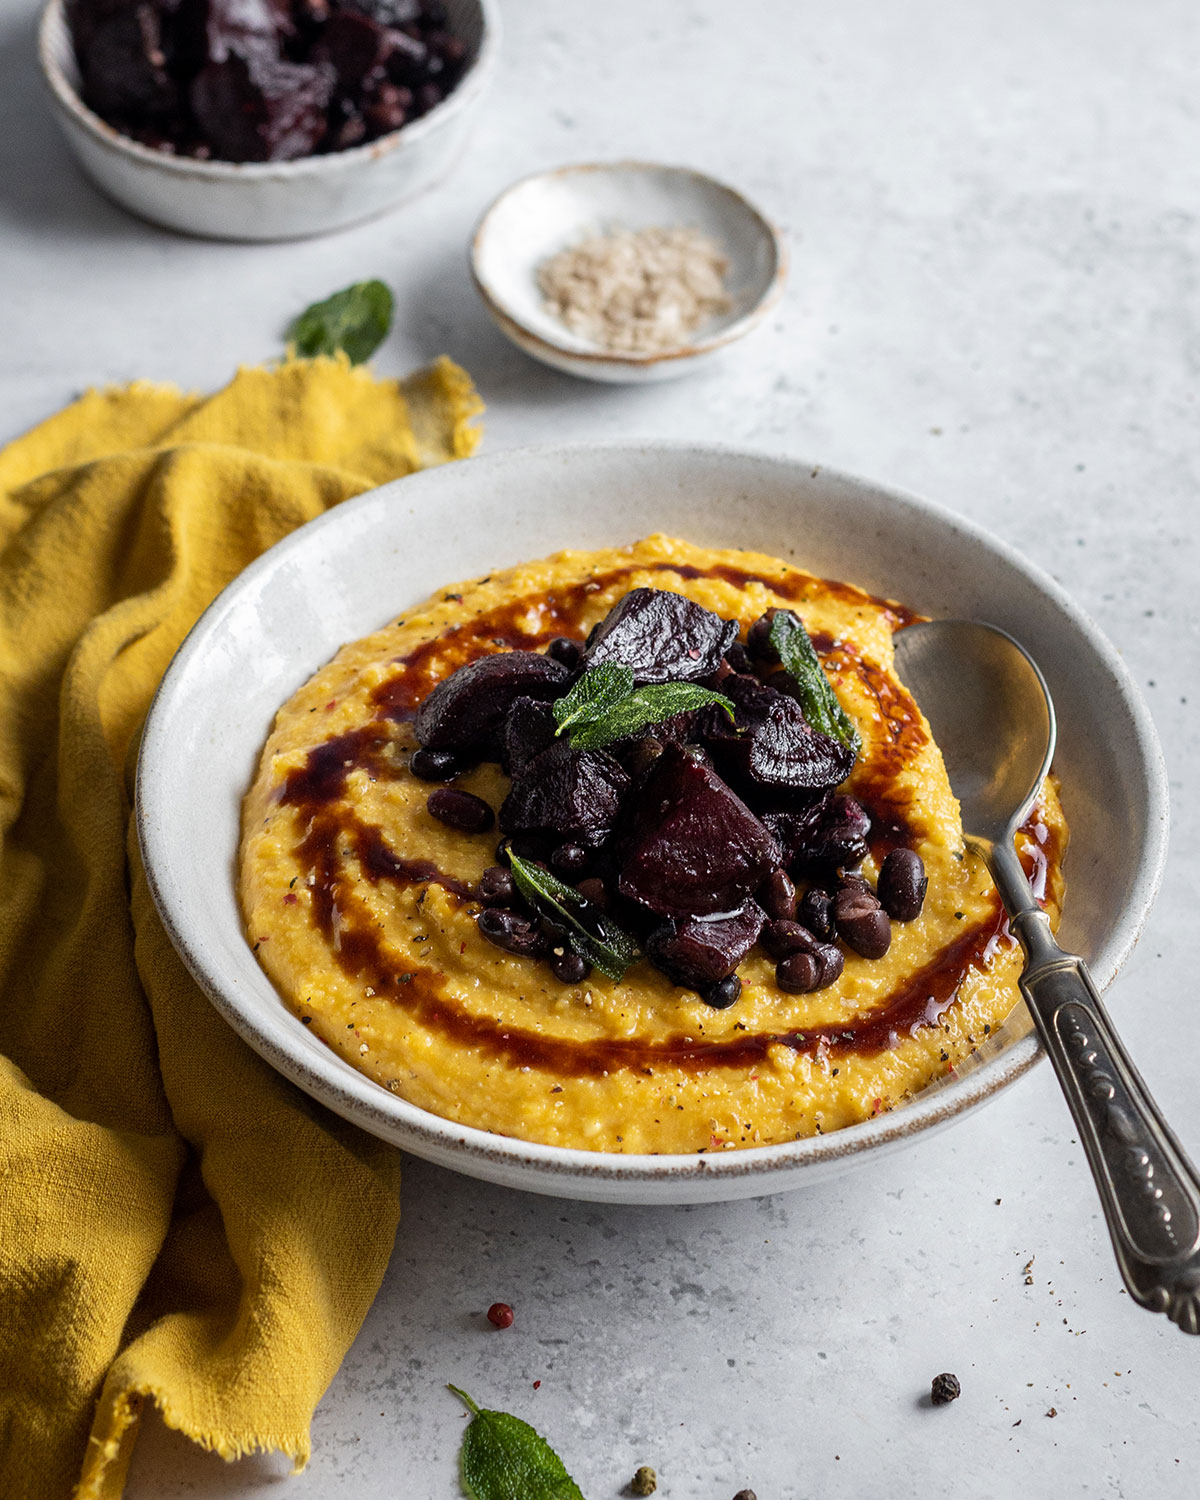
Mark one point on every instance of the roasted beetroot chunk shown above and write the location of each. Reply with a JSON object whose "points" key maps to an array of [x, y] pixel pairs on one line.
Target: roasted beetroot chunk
{"points": [[386, 12], [210, 30], [122, 54], [567, 795], [467, 708], [695, 848], [832, 832], [662, 637], [356, 47], [772, 750], [700, 951], [254, 107], [248, 80], [528, 730]]}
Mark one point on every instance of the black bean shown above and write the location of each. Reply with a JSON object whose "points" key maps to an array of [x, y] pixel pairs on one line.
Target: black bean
{"points": [[569, 860], [643, 755], [512, 932], [565, 650], [829, 956], [518, 844], [778, 897], [724, 993], [497, 887], [463, 811], [739, 659], [798, 974], [435, 765], [758, 641], [815, 912], [594, 890], [861, 922], [570, 967], [781, 938], [808, 964], [902, 885]]}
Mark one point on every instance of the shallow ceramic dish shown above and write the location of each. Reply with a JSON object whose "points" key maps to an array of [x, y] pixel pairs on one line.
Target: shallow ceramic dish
{"points": [[273, 200], [541, 215], [360, 565]]}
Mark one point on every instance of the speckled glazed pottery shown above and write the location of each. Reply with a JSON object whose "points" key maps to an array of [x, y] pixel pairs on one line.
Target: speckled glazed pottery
{"points": [[272, 200], [543, 214], [360, 565]]}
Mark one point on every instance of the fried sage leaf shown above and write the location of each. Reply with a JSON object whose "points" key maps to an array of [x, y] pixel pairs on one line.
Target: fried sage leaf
{"points": [[592, 696], [646, 706], [590, 932], [504, 1458], [817, 697], [604, 707], [356, 320]]}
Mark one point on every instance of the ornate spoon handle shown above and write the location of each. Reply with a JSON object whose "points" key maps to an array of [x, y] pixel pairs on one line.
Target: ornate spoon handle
{"points": [[1149, 1189]]}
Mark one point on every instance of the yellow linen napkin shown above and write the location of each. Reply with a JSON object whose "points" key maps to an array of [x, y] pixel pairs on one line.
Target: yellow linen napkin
{"points": [[176, 1221]]}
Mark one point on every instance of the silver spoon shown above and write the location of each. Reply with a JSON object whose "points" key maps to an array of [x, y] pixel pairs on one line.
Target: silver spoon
{"points": [[993, 719]]}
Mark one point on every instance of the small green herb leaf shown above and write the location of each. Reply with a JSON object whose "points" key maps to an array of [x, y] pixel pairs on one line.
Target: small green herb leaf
{"points": [[648, 705], [594, 693], [817, 697], [355, 319], [590, 932], [503, 1458]]}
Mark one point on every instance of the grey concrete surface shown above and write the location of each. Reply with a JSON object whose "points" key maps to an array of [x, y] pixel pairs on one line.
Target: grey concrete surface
{"points": [[994, 301]]}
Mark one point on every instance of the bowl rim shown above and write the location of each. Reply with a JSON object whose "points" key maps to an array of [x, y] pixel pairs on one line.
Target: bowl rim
{"points": [[521, 331], [469, 86], [553, 1169]]}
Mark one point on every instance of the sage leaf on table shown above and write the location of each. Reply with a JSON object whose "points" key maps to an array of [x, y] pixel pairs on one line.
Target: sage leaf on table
{"points": [[355, 320], [503, 1458], [817, 697], [592, 933], [604, 706]]}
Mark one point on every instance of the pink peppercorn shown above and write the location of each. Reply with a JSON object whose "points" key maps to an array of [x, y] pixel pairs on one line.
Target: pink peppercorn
{"points": [[500, 1315]]}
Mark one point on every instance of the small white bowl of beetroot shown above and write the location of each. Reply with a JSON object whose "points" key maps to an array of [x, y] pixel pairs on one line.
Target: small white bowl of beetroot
{"points": [[266, 119]]}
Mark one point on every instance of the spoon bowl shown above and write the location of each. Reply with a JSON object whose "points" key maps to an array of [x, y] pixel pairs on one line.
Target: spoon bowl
{"points": [[991, 714]]}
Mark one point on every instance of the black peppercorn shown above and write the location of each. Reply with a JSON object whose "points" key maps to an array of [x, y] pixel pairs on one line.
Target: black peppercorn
{"points": [[944, 1389]]}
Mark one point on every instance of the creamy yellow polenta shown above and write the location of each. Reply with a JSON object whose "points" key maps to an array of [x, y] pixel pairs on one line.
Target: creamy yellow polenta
{"points": [[387, 967]]}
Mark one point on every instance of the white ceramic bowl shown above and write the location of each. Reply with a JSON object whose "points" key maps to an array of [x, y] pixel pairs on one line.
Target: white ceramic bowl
{"points": [[360, 565], [541, 215], [271, 200]]}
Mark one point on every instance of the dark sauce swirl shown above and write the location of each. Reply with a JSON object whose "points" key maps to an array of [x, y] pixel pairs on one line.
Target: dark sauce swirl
{"points": [[334, 834]]}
